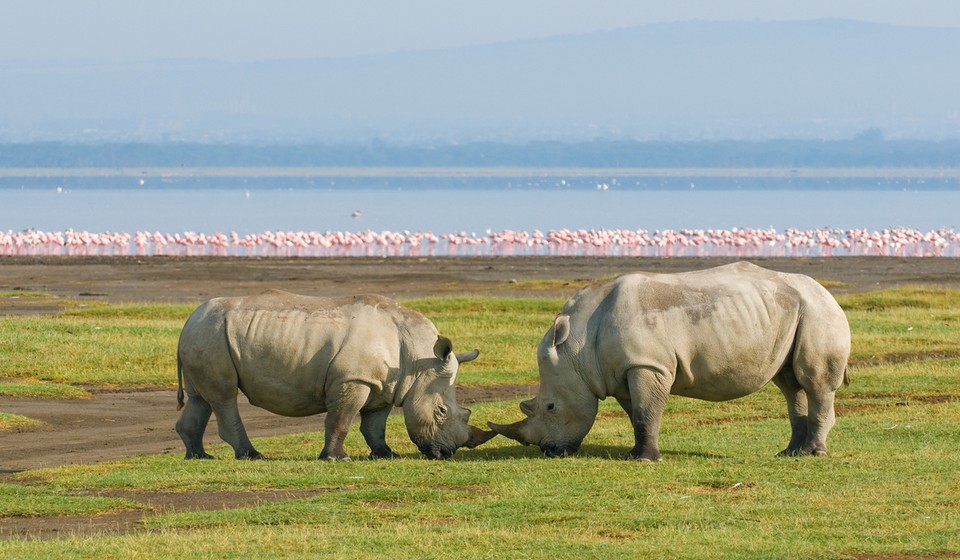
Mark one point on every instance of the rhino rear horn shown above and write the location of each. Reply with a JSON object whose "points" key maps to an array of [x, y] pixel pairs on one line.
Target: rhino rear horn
{"points": [[479, 437], [468, 356], [511, 431]]}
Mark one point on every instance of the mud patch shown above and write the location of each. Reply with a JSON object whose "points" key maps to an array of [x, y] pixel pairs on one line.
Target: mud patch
{"points": [[154, 503], [944, 555], [903, 357]]}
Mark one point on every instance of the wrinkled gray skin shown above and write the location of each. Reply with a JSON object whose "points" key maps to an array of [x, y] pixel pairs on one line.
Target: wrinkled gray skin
{"points": [[716, 334], [298, 356]]}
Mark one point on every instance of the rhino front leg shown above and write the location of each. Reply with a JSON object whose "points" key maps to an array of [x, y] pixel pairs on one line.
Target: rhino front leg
{"points": [[373, 426], [649, 390], [191, 425], [348, 399]]}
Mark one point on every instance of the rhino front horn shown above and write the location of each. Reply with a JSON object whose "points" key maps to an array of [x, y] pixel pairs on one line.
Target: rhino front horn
{"points": [[512, 431], [479, 437]]}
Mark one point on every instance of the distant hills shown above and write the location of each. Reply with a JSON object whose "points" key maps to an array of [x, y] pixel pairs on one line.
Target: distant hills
{"points": [[813, 80]]}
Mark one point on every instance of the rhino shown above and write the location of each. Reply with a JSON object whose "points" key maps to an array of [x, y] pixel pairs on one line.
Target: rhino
{"points": [[715, 334], [297, 356]]}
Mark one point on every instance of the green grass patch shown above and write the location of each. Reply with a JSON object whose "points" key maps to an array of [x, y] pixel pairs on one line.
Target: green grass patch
{"points": [[27, 501], [117, 345], [41, 390], [903, 324], [506, 330], [831, 283], [97, 344], [907, 297], [12, 421], [106, 344], [719, 493], [23, 294]]}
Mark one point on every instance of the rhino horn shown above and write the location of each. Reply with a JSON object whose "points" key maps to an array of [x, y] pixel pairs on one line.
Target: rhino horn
{"points": [[529, 407], [512, 431], [468, 356], [479, 437]]}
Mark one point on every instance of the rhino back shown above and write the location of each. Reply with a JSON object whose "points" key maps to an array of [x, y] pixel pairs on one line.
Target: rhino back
{"points": [[722, 332], [290, 351]]}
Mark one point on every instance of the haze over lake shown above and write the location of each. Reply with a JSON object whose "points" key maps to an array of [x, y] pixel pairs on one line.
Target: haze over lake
{"points": [[248, 210]]}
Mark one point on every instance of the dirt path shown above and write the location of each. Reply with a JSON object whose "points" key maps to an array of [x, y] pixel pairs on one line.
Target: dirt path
{"points": [[112, 425], [178, 279]]}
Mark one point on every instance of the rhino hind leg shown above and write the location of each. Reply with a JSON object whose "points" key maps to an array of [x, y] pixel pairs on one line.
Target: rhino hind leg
{"points": [[819, 421], [232, 431], [797, 407], [811, 415], [373, 426], [191, 425]]}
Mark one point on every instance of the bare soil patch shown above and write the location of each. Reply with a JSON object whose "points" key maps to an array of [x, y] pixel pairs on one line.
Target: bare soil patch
{"points": [[154, 503], [126, 423]]}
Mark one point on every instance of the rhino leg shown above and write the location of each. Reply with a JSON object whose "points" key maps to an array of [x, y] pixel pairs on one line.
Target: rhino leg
{"points": [[649, 390], [796, 397], [192, 424], [232, 431], [819, 421], [342, 408], [373, 426]]}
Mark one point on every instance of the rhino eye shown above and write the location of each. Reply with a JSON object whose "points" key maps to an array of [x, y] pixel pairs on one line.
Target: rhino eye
{"points": [[440, 414], [551, 406]]}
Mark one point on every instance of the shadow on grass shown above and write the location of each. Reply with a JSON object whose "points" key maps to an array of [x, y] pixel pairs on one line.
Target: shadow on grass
{"points": [[612, 452]]}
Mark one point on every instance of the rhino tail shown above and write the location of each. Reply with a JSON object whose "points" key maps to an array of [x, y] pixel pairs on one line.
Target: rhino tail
{"points": [[846, 377], [179, 382]]}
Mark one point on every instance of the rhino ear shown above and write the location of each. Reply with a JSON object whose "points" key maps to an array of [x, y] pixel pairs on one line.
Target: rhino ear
{"points": [[561, 329], [443, 349]]}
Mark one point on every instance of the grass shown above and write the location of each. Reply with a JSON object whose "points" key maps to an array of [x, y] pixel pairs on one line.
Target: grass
{"points": [[17, 500], [889, 489], [903, 324], [129, 345], [12, 421], [719, 493], [41, 390]]}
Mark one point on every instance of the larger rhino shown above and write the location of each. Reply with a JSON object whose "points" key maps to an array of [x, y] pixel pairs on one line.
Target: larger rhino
{"points": [[715, 334], [297, 356]]}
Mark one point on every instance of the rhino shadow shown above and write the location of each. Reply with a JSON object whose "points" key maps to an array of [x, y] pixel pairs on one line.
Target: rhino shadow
{"points": [[612, 452]]}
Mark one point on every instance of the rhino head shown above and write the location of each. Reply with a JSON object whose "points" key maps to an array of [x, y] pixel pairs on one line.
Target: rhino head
{"points": [[436, 423], [564, 410]]}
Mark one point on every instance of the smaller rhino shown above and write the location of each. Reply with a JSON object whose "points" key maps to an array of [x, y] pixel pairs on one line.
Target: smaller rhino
{"points": [[297, 356]]}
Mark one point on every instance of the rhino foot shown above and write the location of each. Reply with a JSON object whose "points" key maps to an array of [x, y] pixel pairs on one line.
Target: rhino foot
{"points": [[814, 452], [332, 458], [198, 456], [644, 456], [251, 455], [389, 454]]}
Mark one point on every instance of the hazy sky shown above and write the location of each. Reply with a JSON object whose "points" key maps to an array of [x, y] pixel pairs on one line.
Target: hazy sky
{"points": [[247, 30]]}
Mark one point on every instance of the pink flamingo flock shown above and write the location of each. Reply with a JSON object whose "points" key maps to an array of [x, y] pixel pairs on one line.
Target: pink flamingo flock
{"points": [[736, 242]]}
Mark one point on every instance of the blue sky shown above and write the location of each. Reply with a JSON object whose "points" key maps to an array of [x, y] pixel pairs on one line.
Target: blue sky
{"points": [[246, 30]]}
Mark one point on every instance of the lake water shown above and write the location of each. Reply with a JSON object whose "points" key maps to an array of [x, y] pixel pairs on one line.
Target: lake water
{"points": [[252, 210]]}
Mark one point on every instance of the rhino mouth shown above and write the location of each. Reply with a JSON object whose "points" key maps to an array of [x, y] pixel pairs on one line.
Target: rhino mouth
{"points": [[436, 451], [554, 450]]}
